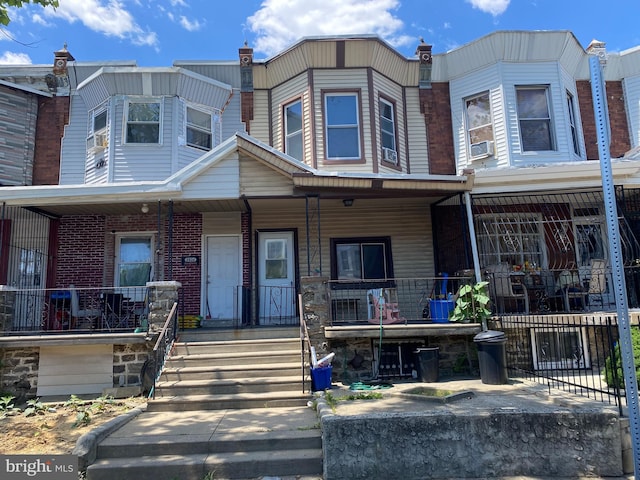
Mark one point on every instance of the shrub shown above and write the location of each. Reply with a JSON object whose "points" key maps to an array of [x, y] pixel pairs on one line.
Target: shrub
{"points": [[613, 374]]}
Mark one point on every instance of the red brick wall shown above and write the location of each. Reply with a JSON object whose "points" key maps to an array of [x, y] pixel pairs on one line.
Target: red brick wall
{"points": [[80, 253], [435, 104], [53, 115], [187, 241], [620, 142]]}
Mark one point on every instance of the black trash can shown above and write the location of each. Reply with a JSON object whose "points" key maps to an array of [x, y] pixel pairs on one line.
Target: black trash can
{"points": [[492, 357], [427, 363]]}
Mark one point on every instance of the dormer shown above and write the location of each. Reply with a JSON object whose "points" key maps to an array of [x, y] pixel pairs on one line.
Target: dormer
{"points": [[147, 123]]}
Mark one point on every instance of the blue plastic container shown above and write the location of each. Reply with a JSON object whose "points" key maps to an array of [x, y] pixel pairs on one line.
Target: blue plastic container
{"points": [[321, 378], [440, 310]]}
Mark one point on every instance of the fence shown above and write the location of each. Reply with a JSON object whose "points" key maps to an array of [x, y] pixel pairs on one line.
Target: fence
{"points": [[573, 353]]}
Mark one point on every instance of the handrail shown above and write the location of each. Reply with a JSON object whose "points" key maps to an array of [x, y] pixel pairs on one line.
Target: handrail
{"points": [[159, 359], [305, 341]]}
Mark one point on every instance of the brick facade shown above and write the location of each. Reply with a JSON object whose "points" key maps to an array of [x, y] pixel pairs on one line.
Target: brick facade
{"points": [[187, 241], [53, 115], [435, 105]]}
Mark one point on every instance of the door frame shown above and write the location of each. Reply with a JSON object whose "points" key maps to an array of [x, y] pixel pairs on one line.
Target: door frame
{"points": [[205, 263], [296, 268]]}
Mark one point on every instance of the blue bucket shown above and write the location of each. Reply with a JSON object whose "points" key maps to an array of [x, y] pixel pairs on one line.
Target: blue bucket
{"points": [[440, 310]]}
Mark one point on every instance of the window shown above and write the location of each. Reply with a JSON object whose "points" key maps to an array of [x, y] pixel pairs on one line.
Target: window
{"points": [[276, 262], [534, 119], [134, 260], [342, 126], [388, 131], [97, 135], [572, 124], [143, 121], [510, 239], [293, 129], [479, 122], [361, 259], [199, 133], [559, 348]]}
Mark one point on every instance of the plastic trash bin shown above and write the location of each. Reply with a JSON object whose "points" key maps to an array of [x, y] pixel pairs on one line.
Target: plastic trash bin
{"points": [[492, 357], [440, 310], [427, 363], [321, 378]]}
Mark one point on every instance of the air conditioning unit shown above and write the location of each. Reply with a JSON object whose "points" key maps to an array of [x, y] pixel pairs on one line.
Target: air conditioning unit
{"points": [[481, 149], [389, 155]]}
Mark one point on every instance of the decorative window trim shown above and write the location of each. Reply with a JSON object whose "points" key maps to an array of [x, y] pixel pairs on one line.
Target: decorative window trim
{"points": [[389, 152], [199, 129], [359, 158], [288, 136], [129, 101], [545, 120]]}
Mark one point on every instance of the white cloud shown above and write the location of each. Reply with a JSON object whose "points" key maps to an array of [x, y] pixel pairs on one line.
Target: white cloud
{"points": [[494, 7], [190, 25], [111, 19], [36, 18], [279, 23], [12, 58]]}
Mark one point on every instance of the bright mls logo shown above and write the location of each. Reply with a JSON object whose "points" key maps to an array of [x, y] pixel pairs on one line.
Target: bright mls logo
{"points": [[50, 467]]}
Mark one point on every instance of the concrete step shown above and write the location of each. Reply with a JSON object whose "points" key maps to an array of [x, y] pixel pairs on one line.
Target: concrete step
{"points": [[236, 401], [257, 345], [229, 386], [230, 371], [241, 358], [239, 465], [115, 447], [253, 333]]}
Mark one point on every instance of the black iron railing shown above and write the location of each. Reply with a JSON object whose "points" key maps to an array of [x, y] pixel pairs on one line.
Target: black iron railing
{"points": [[162, 347], [573, 353]]}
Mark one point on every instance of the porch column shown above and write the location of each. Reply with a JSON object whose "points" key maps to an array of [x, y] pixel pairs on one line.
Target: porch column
{"points": [[315, 309], [7, 307], [162, 295]]}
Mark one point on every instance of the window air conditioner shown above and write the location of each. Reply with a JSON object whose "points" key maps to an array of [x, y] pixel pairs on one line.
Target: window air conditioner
{"points": [[482, 149], [389, 155]]}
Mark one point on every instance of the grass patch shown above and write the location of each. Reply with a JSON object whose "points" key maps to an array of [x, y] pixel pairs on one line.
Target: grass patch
{"points": [[430, 392]]}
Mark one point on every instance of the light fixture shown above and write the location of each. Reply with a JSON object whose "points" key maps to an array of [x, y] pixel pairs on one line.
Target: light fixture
{"points": [[145, 208], [347, 202]]}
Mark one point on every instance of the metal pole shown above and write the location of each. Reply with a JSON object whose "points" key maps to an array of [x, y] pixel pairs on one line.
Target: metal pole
{"points": [[615, 255], [472, 235]]}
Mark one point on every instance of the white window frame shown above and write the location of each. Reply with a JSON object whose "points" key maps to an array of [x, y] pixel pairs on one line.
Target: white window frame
{"points": [[559, 360], [98, 138], [290, 135], [199, 128], [508, 233], [473, 137], [388, 127], [348, 126], [131, 101], [523, 120], [117, 263], [573, 124]]}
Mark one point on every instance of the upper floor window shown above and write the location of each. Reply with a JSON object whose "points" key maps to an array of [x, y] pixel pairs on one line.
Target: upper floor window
{"points": [[479, 125], [97, 135], [199, 133], [342, 125], [572, 124], [534, 119], [388, 131], [293, 129], [143, 121]]}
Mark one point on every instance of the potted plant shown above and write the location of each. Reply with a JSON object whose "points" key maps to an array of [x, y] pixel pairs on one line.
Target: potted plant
{"points": [[471, 304]]}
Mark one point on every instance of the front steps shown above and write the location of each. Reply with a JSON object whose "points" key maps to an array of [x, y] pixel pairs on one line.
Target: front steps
{"points": [[228, 404]]}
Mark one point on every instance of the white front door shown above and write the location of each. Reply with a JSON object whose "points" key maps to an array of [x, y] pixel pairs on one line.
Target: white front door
{"points": [[276, 274], [223, 278]]}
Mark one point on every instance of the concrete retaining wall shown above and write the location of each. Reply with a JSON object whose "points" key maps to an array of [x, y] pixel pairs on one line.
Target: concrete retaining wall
{"points": [[430, 445]]}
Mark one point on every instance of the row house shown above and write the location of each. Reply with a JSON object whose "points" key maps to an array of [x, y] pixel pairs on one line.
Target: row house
{"points": [[337, 165]]}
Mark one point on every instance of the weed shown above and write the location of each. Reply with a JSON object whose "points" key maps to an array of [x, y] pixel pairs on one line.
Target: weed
{"points": [[100, 404], [331, 400], [363, 396], [315, 426], [34, 407], [7, 407], [75, 403], [82, 419]]}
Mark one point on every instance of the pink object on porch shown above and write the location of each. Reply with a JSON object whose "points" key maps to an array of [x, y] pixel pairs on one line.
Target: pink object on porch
{"points": [[383, 306]]}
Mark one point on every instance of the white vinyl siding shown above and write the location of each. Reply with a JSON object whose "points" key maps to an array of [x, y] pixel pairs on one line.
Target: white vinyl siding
{"points": [[220, 181], [631, 88], [74, 161], [418, 152]]}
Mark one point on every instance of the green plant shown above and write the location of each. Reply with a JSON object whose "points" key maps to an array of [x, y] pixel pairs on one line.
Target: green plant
{"points": [[34, 407], [7, 407], [472, 304], [613, 374], [75, 403]]}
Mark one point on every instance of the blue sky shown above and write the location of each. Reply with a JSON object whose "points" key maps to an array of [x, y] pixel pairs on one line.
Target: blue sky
{"points": [[157, 32]]}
